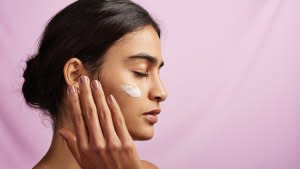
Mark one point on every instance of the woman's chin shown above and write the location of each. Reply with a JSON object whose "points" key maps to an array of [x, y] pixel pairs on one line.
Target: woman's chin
{"points": [[146, 133]]}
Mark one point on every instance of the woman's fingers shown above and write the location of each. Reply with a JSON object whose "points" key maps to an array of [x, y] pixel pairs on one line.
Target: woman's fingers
{"points": [[129, 154], [118, 120], [104, 114], [79, 125], [90, 115], [99, 125]]}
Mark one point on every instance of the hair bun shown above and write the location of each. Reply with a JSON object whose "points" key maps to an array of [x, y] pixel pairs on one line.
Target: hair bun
{"points": [[31, 85]]}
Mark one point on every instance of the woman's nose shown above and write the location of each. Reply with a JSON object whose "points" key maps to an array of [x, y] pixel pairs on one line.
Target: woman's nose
{"points": [[158, 92]]}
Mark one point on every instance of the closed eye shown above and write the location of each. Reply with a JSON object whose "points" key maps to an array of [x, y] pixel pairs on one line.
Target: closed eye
{"points": [[140, 74]]}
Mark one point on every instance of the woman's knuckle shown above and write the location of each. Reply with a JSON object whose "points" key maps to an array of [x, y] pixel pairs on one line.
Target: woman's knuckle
{"points": [[113, 108], [115, 146], [119, 121], [89, 111], [99, 147], [90, 107], [102, 115], [128, 146], [84, 149]]}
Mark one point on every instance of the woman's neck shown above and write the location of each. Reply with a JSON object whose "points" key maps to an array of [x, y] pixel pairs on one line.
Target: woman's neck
{"points": [[58, 156]]}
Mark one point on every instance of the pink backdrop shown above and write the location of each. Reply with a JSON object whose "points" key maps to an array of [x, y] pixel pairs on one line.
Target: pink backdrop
{"points": [[232, 73]]}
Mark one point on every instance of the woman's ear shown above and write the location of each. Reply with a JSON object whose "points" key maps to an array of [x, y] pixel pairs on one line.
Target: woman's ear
{"points": [[73, 69]]}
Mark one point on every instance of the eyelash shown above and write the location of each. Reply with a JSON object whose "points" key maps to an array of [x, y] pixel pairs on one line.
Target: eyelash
{"points": [[140, 74]]}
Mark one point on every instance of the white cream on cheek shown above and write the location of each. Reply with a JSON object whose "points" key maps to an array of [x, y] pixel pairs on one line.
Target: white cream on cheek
{"points": [[132, 90]]}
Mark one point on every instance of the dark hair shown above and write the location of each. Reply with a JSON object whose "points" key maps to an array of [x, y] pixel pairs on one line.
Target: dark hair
{"points": [[85, 29]]}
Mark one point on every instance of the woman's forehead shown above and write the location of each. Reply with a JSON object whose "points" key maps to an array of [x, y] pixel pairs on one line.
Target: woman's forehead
{"points": [[144, 42]]}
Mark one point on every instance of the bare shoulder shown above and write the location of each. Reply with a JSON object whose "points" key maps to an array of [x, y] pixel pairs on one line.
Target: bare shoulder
{"points": [[149, 165], [40, 166]]}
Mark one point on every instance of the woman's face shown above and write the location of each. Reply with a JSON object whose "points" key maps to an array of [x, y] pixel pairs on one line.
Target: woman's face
{"points": [[130, 72]]}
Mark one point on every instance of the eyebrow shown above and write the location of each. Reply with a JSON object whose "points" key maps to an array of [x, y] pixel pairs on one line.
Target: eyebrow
{"points": [[151, 59]]}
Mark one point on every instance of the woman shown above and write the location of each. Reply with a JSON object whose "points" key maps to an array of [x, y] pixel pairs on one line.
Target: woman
{"points": [[96, 74]]}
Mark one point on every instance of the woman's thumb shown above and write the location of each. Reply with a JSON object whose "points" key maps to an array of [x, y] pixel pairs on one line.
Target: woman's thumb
{"points": [[70, 140]]}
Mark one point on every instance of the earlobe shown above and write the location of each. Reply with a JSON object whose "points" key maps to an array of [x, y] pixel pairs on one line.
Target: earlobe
{"points": [[73, 69]]}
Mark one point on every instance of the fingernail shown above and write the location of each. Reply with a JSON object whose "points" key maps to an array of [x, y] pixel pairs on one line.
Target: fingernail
{"points": [[110, 97], [83, 79], [95, 84], [71, 90]]}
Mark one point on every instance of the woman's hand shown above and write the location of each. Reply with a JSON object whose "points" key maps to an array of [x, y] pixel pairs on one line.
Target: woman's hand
{"points": [[101, 138]]}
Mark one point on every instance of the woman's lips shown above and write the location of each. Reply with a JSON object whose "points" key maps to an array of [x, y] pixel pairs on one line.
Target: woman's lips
{"points": [[151, 116]]}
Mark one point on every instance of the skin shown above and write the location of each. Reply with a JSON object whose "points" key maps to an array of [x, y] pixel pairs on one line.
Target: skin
{"points": [[116, 122]]}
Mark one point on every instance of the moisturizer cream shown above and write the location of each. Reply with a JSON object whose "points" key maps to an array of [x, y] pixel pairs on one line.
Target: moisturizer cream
{"points": [[131, 90]]}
